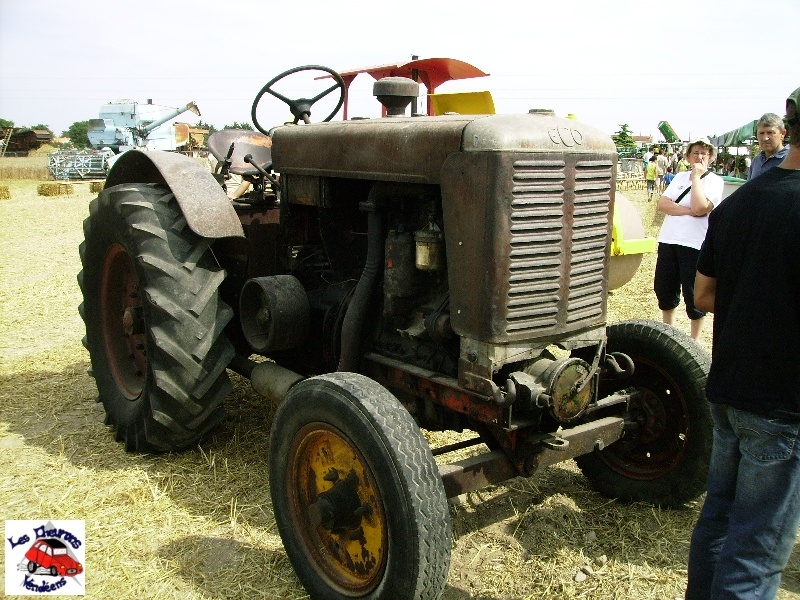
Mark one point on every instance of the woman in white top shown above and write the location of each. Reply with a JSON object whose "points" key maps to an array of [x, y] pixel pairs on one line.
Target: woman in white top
{"points": [[686, 203]]}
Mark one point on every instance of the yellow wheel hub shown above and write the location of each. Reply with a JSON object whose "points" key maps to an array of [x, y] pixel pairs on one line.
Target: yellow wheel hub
{"points": [[337, 509]]}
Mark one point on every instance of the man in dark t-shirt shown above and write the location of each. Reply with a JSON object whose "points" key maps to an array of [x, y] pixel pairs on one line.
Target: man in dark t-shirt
{"points": [[748, 275], [752, 250]]}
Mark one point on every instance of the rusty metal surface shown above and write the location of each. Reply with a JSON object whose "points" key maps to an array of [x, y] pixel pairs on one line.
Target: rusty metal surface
{"points": [[181, 131], [207, 209], [258, 214], [339, 514], [392, 149], [303, 189], [495, 467], [245, 142], [532, 232], [537, 131], [581, 439], [438, 388], [476, 472]]}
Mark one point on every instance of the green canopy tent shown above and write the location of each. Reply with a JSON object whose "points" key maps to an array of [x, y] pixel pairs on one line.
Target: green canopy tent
{"points": [[731, 144], [737, 137]]}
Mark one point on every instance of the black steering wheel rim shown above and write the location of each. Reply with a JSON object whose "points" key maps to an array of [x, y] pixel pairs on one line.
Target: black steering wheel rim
{"points": [[301, 107]]}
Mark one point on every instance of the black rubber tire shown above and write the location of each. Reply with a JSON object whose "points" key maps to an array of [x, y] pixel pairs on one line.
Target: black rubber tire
{"points": [[666, 461], [164, 394], [53, 571], [32, 566], [410, 493]]}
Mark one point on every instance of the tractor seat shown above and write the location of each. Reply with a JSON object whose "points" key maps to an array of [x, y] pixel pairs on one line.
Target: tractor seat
{"points": [[244, 142]]}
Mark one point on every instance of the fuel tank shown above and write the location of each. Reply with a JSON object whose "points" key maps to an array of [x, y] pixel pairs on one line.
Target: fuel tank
{"points": [[409, 149]]}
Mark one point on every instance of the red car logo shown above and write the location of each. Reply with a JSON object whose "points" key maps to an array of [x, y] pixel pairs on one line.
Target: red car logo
{"points": [[52, 555]]}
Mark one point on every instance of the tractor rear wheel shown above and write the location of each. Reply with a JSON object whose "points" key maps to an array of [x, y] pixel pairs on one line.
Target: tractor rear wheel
{"points": [[663, 455], [357, 495], [154, 319]]}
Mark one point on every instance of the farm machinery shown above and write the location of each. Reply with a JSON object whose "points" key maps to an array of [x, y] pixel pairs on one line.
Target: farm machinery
{"points": [[123, 125], [383, 278], [669, 133], [126, 124]]}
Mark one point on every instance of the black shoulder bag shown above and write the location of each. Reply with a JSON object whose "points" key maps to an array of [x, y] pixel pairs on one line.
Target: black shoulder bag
{"points": [[686, 191]]}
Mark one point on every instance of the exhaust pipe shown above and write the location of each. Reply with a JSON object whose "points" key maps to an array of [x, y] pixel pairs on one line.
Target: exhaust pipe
{"points": [[273, 381], [267, 378]]}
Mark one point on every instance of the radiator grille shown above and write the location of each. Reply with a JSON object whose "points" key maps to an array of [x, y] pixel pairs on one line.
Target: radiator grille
{"points": [[558, 238]]}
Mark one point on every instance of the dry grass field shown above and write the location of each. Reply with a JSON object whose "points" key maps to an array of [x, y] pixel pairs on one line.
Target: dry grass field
{"points": [[33, 166], [199, 524]]}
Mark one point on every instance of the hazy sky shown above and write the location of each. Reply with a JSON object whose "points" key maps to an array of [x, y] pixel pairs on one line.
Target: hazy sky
{"points": [[704, 66]]}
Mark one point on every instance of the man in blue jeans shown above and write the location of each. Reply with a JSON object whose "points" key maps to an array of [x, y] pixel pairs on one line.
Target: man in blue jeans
{"points": [[748, 274]]}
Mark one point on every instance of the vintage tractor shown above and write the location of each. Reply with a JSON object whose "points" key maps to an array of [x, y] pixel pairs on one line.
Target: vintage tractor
{"points": [[387, 276]]}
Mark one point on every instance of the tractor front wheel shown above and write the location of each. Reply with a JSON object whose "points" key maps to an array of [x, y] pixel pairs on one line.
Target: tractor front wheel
{"points": [[357, 495], [663, 455]]}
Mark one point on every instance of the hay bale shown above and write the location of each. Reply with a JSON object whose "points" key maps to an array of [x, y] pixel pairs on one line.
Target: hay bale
{"points": [[96, 187], [55, 189], [43, 150], [5, 193]]}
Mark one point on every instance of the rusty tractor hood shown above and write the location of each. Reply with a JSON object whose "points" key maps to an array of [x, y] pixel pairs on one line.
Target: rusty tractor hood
{"points": [[413, 149]]}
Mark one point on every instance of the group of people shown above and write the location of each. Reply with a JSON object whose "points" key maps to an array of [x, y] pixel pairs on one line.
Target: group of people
{"points": [[660, 169], [686, 202], [660, 165], [740, 259]]}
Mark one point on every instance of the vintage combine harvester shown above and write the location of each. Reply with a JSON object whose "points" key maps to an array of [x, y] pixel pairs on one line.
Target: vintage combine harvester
{"points": [[386, 276], [79, 164], [123, 125]]}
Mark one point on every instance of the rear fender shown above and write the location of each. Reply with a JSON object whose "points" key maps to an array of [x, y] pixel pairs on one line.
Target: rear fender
{"points": [[205, 206]]}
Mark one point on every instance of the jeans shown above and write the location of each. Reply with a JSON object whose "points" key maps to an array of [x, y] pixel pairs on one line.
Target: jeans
{"points": [[747, 528]]}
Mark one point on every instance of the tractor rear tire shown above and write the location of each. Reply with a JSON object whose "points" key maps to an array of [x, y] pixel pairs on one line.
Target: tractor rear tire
{"points": [[154, 319], [356, 493], [664, 459]]}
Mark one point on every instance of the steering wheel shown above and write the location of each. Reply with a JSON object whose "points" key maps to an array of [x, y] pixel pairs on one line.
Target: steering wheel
{"points": [[300, 108]]}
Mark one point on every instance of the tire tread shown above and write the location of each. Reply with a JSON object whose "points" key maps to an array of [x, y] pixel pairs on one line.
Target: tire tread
{"points": [[189, 352]]}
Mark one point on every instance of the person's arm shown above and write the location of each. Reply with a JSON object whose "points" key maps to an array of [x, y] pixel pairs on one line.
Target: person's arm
{"points": [[700, 204], [705, 291], [669, 207], [241, 189]]}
